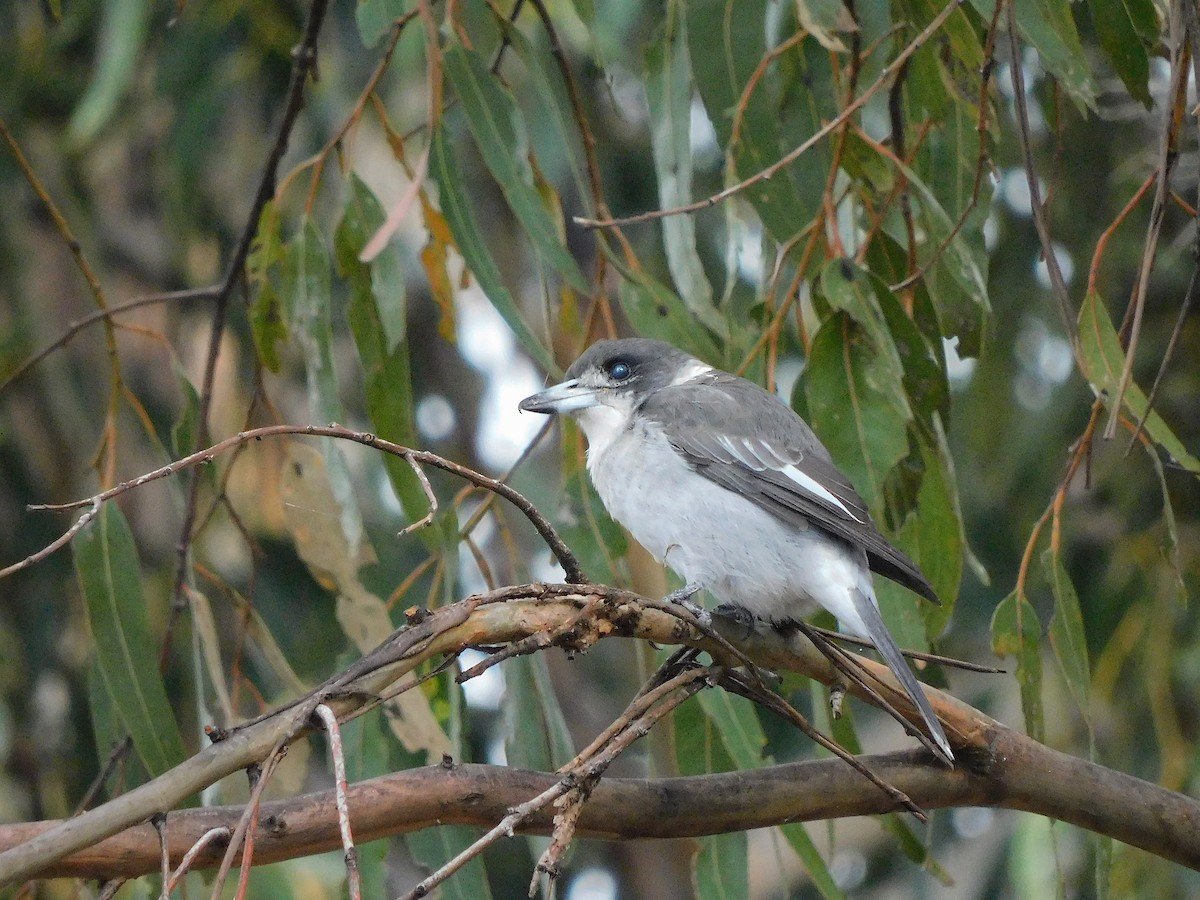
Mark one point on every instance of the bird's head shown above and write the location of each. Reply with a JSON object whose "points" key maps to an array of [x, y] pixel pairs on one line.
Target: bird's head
{"points": [[618, 374]]}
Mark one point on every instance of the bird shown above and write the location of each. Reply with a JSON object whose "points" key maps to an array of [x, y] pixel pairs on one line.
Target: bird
{"points": [[728, 486]]}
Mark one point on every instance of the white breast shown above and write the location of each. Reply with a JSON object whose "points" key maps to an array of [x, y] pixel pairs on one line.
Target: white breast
{"points": [[709, 535]]}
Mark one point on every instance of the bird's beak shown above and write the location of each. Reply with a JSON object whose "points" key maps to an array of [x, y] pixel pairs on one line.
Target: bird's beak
{"points": [[562, 398]]}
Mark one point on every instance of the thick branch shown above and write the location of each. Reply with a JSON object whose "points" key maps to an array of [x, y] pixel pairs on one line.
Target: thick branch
{"points": [[1020, 775], [997, 766]]}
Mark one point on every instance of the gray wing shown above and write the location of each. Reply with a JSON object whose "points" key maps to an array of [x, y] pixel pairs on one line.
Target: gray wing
{"points": [[765, 452]]}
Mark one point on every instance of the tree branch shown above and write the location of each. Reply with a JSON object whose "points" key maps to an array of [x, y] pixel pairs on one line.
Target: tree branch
{"points": [[1019, 774], [997, 766]]}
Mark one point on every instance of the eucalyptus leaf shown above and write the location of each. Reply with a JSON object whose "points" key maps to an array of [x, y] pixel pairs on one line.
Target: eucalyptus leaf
{"points": [[495, 122], [1103, 361], [456, 207], [856, 404], [1017, 632], [109, 573], [669, 96], [120, 44]]}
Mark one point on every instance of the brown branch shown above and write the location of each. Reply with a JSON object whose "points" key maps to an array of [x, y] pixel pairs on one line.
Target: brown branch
{"points": [[834, 124], [1017, 774], [305, 65], [1169, 141], [547, 531], [1058, 283], [996, 766], [76, 326]]}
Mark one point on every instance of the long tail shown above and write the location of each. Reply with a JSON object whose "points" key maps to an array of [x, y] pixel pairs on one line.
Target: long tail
{"points": [[886, 645]]}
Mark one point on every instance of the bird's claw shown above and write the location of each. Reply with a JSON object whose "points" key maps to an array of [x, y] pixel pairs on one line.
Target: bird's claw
{"points": [[683, 597]]}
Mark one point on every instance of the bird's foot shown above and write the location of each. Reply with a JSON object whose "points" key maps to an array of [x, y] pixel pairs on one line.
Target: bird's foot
{"points": [[739, 615], [683, 597]]}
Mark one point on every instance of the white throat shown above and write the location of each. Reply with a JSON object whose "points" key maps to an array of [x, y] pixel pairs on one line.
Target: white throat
{"points": [[604, 423]]}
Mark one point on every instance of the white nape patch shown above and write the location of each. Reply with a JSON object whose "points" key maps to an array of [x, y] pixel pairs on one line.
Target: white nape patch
{"points": [[692, 370], [816, 489]]}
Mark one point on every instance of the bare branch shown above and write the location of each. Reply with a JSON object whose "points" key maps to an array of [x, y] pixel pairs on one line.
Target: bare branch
{"points": [[330, 723], [1015, 773], [547, 531], [427, 519], [1057, 282]]}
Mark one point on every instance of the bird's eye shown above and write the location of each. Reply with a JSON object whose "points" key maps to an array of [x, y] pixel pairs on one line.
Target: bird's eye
{"points": [[619, 371]]}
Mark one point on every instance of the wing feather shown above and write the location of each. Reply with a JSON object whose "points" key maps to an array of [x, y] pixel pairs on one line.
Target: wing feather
{"points": [[768, 454]]}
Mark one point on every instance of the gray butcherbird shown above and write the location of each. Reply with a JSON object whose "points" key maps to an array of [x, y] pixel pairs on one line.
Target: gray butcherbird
{"points": [[720, 480]]}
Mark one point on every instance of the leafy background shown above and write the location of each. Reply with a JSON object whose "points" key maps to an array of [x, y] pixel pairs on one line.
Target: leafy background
{"points": [[957, 401]]}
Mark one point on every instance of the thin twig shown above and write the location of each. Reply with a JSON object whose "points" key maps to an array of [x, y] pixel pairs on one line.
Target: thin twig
{"points": [[329, 720], [209, 837], [835, 123], [1168, 156], [582, 776], [547, 531], [427, 519], [96, 315], [848, 666], [778, 705], [164, 857], [911, 654], [1058, 283], [115, 757], [56, 544], [305, 65]]}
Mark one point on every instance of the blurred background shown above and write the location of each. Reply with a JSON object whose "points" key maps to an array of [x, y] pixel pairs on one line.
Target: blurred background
{"points": [[148, 125]]}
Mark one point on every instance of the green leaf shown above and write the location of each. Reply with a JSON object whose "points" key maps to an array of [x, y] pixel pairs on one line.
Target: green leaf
{"points": [[184, 431], [656, 311], [108, 730], [797, 836], [495, 122], [536, 735], [365, 746], [1067, 637], [376, 17], [721, 870], [307, 283], [456, 207], [1050, 27], [1171, 539], [1118, 30], [669, 97], [382, 347], [911, 358], [939, 540], [106, 564], [433, 847], [735, 722], [914, 848], [119, 47], [822, 18], [1017, 632], [723, 62], [1103, 361], [264, 269], [554, 120], [591, 532], [964, 260], [856, 404]]}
